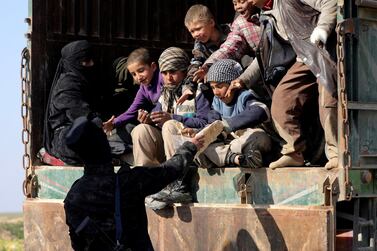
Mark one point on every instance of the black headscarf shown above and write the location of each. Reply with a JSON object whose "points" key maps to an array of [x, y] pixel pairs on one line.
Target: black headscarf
{"points": [[88, 140], [72, 56]]}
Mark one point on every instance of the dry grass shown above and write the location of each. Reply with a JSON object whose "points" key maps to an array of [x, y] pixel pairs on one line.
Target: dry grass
{"points": [[11, 232]]}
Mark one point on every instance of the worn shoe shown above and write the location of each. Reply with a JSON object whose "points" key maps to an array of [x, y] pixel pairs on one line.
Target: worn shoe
{"points": [[175, 192], [292, 159], [332, 163], [155, 204], [210, 134], [48, 159], [253, 159]]}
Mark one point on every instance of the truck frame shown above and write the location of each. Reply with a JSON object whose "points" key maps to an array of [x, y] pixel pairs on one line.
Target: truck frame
{"points": [[305, 208]]}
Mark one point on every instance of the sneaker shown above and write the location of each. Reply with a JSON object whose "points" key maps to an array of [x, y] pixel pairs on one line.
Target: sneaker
{"points": [[173, 193], [48, 159], [252, 159], [155, 204], [292, 159]]}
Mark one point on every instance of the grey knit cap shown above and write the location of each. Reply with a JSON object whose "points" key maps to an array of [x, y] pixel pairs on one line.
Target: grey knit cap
{"points": [[173, 59], [224, 71]]}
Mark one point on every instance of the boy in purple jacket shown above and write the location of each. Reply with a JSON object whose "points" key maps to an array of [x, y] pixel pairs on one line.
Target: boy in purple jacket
{"points": [[145, 73]]}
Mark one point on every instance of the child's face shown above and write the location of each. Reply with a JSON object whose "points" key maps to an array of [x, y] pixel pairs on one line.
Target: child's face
{"points": [[243, 7], [173, 77], [142, 73], [201, 30], [219, 90]]}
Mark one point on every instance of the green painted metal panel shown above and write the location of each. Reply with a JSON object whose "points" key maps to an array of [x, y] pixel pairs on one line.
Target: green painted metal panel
{"points": [[289, 186], [216, 185], [55, 182], [361, 85], [360, 188], [285, 186]]}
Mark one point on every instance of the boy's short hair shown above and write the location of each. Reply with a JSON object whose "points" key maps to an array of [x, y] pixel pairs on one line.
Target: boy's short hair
{"points": [[224, 71], [140, 55], [198, 12]]}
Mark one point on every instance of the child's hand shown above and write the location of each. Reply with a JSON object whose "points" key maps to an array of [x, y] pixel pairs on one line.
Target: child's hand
{"points": [[198, 140], [235, 85], [188, 132], [200, 74], [159, 118], [108, 126], [143, 117], [185, 95]]}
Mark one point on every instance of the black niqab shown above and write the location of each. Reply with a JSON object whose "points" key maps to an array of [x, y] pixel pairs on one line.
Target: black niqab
{"points": [[73, 54]]}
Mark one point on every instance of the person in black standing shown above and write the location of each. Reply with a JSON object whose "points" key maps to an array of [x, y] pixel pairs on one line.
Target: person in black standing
{"points": [[105, 210]]}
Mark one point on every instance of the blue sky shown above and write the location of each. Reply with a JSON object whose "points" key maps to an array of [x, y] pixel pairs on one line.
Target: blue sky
{"points": [[12, 41]]}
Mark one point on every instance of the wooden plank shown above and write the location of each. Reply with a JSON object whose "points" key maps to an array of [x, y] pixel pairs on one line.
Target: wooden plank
{"points": [[201, 227]]}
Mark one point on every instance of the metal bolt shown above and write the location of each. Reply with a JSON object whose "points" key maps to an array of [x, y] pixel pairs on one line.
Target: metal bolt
{"points": [[366, 177]]}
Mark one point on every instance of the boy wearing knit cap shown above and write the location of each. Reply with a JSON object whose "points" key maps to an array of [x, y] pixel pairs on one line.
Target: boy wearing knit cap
{"points": [[242, 116], [156, 139]]}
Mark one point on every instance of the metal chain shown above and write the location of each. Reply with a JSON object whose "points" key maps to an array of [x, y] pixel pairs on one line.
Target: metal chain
{"points": [[25, 109], [345, 130]]}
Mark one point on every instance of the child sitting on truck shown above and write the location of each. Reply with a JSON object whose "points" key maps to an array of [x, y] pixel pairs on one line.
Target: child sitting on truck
{"points": [[242, 116], [145, 73]]}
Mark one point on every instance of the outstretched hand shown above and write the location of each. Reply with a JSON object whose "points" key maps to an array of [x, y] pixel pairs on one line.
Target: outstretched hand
{"points": [[198, 141], [185, 95], [235, 85], [199, 75], [108, 126]]}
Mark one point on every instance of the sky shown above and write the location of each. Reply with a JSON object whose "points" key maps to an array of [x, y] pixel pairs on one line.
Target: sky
{"points": [[12, 41]]}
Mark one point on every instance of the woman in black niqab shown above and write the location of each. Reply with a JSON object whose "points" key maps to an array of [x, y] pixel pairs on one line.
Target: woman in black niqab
{"points": [[68, 99]]}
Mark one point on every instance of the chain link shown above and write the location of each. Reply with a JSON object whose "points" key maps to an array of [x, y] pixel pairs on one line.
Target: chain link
{"points": [[25, 108], [343, 106]]}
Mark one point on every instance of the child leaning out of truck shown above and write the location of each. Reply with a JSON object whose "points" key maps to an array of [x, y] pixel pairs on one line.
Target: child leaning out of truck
{"points": [[208, 36], [145, 73], [242, 115], [241, 41]]}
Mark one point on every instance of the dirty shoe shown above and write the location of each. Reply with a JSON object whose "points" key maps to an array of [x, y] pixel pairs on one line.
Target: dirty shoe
{"points": [[175, 192], [210, 133], [292, 159], [332, 163]]}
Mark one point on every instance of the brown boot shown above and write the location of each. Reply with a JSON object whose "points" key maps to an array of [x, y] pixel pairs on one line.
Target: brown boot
{"points": [[332, 163], [291, 159]]}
